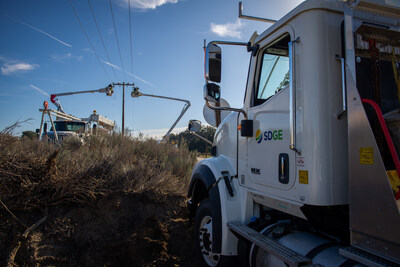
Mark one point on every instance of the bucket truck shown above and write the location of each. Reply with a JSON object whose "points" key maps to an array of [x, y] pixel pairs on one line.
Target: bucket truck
{"points": [[306, 172], [136, 93], [69, 126]]}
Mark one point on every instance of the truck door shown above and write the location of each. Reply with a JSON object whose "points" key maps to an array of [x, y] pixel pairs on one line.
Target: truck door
{"points": [[270, 162]]}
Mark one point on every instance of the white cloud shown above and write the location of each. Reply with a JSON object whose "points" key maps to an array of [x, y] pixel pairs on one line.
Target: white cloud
{"points": [[10, 68], [158, 133], [63, 58], [88, 50], [39, 90], [146, 4], [228, 29]]}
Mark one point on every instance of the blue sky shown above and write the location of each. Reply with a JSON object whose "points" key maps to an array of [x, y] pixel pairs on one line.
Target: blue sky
{"points": [[43, 50]]}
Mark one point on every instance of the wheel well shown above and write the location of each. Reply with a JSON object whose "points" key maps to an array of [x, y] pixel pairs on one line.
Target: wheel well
{"points": [[199, 193], [202, 187]]}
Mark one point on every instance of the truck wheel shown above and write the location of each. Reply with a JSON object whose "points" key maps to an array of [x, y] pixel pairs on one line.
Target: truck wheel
{"points": [[203, 234]]}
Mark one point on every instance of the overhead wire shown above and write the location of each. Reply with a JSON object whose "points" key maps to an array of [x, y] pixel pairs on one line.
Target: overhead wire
{"points": [[88, 39], [130, 34], [116, 36], [130, 40], [101, 38]]}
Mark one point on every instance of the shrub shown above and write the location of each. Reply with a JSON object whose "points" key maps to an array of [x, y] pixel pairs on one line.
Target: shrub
{"points": [[37, 174]]}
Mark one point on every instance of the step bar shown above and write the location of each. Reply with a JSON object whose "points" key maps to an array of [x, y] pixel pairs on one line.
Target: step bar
{"points": [[365, 258], [285, 254], [293, 258]]}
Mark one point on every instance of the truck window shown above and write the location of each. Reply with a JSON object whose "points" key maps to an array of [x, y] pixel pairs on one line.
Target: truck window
{"points": [[274, 72], [69, 126]]}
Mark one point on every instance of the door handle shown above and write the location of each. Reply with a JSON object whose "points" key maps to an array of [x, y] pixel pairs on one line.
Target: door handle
{"points": [[283, 170]]}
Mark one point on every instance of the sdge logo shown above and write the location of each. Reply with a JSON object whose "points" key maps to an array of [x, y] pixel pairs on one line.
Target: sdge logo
{"points": [[258, 136], [268, 135]]}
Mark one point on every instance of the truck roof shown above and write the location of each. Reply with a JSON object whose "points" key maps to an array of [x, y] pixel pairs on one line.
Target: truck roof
{"points": [[336, 6], [308, 5], [82, 122]]}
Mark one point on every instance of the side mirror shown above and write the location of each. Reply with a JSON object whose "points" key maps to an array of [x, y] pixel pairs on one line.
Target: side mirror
{"points": [[212, 92], [213, 63], [194, 126]]}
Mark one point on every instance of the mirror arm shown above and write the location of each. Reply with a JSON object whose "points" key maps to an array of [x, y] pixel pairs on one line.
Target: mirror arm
{"points": [[227, 43], [228, 109], [241, 16]]}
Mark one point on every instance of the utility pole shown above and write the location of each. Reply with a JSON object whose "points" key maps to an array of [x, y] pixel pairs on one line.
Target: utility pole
{"points": [[123, 102]]}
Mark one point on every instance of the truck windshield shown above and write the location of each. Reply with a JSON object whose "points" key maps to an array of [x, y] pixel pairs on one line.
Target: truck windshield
{"points": [[71, 126]]}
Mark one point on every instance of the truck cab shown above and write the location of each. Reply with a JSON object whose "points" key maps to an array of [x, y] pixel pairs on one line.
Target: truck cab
{"points": [[306, 171], [66, 126], [66, 129], [69, 126]]}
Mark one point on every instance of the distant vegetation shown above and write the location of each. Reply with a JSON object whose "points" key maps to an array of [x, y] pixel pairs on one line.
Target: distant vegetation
{"points": [[29, 134], [194, 143]]}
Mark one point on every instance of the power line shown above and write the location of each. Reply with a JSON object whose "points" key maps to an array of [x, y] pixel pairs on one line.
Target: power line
{"points": [[116, 36], [130, 40], [101, 38], [130, 34], [88, 39]]}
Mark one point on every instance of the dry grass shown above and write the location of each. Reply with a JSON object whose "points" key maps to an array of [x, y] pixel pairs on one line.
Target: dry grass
{"points": [[106, 201], [38, 175]]}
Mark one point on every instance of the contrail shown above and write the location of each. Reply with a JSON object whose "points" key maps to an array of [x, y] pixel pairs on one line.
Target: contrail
{"points": [[131, 74], [45, 33], [111, 65], [39, 90], [137, 77]]}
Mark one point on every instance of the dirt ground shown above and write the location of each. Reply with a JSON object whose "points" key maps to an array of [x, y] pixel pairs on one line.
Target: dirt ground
{"points": [[121, 229]]}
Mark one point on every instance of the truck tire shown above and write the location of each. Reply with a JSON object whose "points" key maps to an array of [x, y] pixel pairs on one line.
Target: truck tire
{"points": [[203, 233]]}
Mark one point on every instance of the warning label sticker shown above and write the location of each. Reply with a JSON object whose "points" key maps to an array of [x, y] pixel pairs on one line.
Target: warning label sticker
{"points": [[300, 161], [367, 155], [303, 177]]}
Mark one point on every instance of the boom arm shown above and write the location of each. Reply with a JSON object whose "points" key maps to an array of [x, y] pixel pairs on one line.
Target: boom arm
{"points": [[54, 97], [136, 93]]}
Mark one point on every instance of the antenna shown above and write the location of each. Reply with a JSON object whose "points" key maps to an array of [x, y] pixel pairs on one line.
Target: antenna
{"points": [[241, 16]]}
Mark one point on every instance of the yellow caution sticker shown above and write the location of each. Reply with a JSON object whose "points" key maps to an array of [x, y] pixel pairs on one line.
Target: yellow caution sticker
{"points": [[367, 155], [394, 180], [303, 177]]}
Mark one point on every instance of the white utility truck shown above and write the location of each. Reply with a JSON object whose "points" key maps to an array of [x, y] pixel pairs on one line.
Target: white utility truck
{"points": [[306, 172], [66, 125]]}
